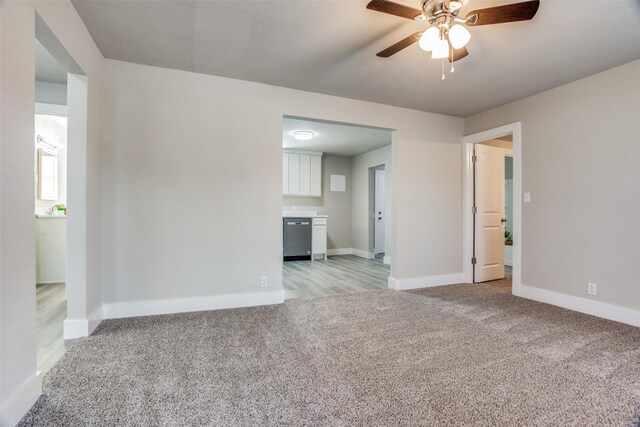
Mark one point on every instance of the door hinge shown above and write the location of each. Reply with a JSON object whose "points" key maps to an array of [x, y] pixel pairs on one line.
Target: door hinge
{"points": [[474, 158], [474, 209], [473, 261]]}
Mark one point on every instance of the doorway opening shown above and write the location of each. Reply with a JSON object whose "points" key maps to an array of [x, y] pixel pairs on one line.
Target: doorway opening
{"points": [[333, 183], [378, 213], [60, 144], [50, 178], [492, 207]]}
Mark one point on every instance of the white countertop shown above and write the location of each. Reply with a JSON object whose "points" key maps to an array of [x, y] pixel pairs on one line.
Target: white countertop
{"points": [[298, 215], [49, 216], [302, 214]]}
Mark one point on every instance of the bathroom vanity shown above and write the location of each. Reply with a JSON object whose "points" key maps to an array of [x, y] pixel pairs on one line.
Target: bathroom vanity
{"points": [[51, 248]]}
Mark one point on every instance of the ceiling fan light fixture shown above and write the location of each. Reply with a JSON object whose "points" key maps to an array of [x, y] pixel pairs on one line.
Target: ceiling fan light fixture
{"points": [[459, 36], [429, 39], [441, 51], [303, 135]]}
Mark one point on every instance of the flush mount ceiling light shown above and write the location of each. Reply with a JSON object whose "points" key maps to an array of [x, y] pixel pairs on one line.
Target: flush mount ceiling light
{"points": [[303, 135], [447, 34]]}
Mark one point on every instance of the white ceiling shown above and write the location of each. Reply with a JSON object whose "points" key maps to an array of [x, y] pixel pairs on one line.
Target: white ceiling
{"points": [[339, 139], [329, 47], [47, 68]]}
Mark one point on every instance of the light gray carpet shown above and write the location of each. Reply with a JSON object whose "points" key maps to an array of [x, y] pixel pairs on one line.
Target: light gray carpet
{"points": [[454, 355]]}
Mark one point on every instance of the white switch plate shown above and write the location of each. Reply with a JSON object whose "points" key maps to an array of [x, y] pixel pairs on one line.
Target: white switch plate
{"points": [[527, 197], [592, 288]]}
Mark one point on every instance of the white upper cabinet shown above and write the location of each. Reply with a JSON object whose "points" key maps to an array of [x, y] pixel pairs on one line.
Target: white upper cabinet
{"points": [[305, 174], [294, 174], [285, 173], [302, 173], [316, 176]]}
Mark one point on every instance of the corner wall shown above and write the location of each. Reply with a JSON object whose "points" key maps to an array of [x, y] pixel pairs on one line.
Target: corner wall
{"points": [[362, 196], [19, 382], [580, 156]]}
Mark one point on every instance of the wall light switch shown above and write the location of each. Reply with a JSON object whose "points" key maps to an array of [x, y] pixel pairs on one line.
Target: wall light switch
{"points": [[527, 197]]}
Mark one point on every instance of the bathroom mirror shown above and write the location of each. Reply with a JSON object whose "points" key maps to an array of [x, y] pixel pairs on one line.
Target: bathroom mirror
{"points": [[47, 175]]}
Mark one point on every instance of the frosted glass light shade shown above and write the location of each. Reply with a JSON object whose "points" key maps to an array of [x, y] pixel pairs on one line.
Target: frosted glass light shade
{"points": [[303, 135], [459, 36], [429, 39], [441, 50]]}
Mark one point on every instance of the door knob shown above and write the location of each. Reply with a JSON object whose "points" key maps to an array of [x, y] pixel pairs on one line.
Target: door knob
{"points": [[503, 220]]}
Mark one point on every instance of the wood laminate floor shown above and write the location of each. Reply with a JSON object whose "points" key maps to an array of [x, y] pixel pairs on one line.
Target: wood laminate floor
{"points": [[51, 310], [336, 275]]}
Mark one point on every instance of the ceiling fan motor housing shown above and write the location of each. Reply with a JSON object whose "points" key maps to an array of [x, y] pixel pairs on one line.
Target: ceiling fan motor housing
{"points": [[435, 8]]}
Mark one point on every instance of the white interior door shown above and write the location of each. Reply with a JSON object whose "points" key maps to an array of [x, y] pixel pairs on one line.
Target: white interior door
{"points": [[490, 215], [378, 213]]}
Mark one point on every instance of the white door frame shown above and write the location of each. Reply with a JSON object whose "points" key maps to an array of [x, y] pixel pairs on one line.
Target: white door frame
{"points": [[468, 141], [79, 321], [377, 170]]}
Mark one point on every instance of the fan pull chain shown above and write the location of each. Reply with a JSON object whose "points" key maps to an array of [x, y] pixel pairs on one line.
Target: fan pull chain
{"points": [[443, 76], [452, 68]]}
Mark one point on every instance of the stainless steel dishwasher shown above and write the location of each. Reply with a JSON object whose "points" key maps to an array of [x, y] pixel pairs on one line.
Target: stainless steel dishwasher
{"points": [[296, 238]]}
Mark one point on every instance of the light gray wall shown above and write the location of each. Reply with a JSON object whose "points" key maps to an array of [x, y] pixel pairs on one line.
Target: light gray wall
{"points": [[580, 156], [18, 379], [362, 196], [187, 151], [51, 93], [335, 204], [508, 168]]}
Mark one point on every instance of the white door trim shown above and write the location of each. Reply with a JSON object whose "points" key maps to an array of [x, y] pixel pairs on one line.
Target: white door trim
{"points": [[514, 129], [379, 237]]}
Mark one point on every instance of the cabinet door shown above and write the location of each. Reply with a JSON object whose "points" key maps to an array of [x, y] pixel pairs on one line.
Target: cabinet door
{"points": [[294, 174], [319, 239], [305, 174], [285, 173], [316, 176]]}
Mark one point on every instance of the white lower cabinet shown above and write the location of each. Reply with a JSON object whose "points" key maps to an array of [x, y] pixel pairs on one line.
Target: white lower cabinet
{"points": [[51, 249], [319, 239]]}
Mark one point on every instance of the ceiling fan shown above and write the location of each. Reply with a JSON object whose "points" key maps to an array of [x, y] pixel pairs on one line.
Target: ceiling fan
{"points": [[447, 34]]}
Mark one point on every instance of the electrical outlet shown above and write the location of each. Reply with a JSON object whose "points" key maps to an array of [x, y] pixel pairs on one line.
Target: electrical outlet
{"points": [[264, 282], [592, 288], [527, 197]]}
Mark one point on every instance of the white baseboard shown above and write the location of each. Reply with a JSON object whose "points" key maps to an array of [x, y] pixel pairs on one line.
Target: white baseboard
{"points": [[582, 305], [340, 251], [386, 260], [350, 251], [79, 328], [363, 254], [94, 319], [183, 305], [425, 281], [14, 408]]}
